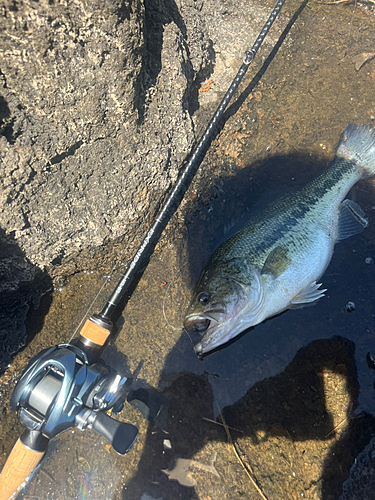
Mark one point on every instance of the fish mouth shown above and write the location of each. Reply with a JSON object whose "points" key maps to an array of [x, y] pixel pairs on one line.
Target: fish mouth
{"points": [[218, 326], [202, 322], [197, 323], [208, 324]]}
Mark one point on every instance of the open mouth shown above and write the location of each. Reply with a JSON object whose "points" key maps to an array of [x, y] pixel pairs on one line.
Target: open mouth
{"points": [[197, 323], [202, 322]]}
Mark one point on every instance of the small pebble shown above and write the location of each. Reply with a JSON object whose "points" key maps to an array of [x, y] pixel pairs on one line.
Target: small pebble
{"points": [[167, 444], [350, 306], [369, 260]]}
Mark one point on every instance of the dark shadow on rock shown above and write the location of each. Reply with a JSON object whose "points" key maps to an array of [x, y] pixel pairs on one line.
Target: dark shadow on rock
{"points": [[22, 285], [6, 120], [361, 481], [4, 113], [343, 459], [291, 405], [189, 399], [159, 13]]}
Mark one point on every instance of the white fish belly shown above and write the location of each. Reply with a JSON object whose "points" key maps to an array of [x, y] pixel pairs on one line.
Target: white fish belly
{"points": [[303, 271]]}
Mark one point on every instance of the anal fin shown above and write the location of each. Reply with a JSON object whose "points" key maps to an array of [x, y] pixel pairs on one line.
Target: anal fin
{"points": [[309, 294], [351, 220]]}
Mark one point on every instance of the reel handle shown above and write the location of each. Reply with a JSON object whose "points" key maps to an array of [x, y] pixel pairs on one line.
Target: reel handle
{"points": [[119, 434], [62, 387], [22, 461]]}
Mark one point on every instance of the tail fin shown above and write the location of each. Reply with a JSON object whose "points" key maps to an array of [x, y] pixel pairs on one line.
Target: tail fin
{"points": [[358, 145]]}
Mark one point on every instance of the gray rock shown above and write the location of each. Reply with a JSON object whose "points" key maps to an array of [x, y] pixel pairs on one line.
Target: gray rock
{"points": [[361, 481], [89, 141]]}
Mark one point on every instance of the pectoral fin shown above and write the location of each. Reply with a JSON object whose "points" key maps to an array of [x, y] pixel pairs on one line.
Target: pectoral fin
{"points": [[351, 220], [309, 294], [277, 262]]}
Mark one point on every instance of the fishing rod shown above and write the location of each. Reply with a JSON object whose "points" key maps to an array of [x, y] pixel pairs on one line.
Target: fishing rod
{"points": [[68, 385]]}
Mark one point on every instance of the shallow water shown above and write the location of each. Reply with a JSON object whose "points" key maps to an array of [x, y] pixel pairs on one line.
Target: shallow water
{"points": [[295, 391]]}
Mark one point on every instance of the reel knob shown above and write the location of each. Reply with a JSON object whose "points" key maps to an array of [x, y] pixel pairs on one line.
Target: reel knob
{"points": [[119, 434]]}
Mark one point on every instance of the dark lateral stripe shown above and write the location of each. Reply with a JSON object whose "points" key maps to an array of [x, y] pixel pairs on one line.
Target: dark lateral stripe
{"points": [[288, 212]]}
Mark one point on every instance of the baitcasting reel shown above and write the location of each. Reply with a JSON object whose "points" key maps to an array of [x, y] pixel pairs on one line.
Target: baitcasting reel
{"points": [[59, 390], [66, 386]]}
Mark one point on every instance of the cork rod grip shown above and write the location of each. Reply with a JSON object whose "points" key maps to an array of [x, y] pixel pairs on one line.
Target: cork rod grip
{"points": [[95, 333], [20, 464]]}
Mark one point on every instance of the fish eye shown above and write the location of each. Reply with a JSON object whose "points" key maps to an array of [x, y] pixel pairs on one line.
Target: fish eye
{"points": [[203, 298]]}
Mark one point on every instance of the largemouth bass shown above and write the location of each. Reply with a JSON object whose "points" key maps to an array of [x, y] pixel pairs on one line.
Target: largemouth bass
{"points": [[274, 261]]}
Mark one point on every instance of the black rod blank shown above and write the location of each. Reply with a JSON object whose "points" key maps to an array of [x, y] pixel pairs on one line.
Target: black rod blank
{"points": [[183, 182]]}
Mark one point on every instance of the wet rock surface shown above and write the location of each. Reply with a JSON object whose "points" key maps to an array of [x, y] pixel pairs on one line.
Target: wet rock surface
{"points": [[361, 482], [94, 140]]}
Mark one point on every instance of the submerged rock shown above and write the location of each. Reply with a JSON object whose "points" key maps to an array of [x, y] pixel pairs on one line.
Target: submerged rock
{"points": [[361, 481]]}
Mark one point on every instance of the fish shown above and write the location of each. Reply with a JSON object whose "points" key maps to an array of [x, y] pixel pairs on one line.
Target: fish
{"points": [[274, 261]]}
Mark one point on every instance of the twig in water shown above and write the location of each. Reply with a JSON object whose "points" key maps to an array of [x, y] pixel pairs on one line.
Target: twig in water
{"points": [[218, 423], [350, 407], [336, 427], [52, 479], [247, 468], [337, 2]]}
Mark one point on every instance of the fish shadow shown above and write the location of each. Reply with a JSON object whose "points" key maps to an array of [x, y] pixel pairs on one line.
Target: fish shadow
{"points": [[270, 425]]}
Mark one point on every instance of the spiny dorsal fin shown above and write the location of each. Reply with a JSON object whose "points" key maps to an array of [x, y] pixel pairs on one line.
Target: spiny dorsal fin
{"points": [[351, 220], [277, 262]]}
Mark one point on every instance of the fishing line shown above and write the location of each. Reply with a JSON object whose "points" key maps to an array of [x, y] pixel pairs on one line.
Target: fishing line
{"points": [[165, 296], [109, 277]]}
